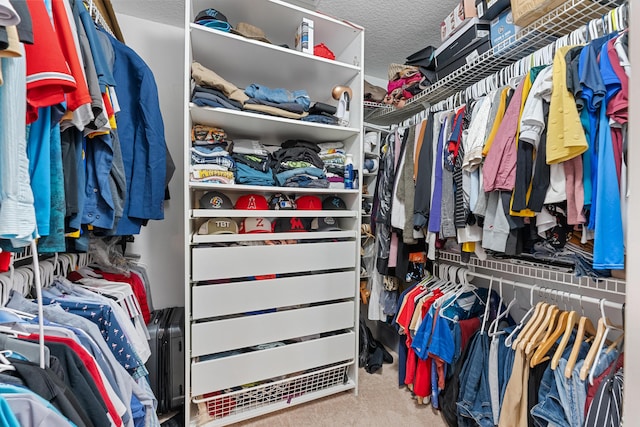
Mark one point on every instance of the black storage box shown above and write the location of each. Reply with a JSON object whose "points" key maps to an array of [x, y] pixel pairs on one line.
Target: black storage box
{"points": [[461, 44], [477, 48], [489, 9]]}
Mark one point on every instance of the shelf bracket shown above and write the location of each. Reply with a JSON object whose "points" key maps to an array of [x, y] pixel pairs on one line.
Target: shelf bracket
{"points": [[426, 105]]}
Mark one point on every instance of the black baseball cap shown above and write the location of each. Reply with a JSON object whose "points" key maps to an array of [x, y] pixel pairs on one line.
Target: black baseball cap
{"points": [[215, 200], [334, 203]]}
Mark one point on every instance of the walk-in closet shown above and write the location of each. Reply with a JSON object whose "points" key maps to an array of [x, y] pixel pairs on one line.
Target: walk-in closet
{"points": [[318, 212]]}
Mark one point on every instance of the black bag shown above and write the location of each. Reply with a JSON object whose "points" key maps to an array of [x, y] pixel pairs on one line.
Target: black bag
{"points": [[166, 364], [372, 353], [425, 57]]}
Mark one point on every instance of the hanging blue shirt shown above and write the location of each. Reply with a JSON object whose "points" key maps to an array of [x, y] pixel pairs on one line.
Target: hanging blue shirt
{"points": [[593, 93], [142, 140], [103, 317], [608, 246]]}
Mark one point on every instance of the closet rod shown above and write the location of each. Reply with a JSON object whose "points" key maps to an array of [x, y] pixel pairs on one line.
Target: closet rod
{"points": [[529, 287]]}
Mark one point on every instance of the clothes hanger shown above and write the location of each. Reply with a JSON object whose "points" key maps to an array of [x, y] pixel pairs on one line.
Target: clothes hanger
{"points": [[540, 354], [592, 358], [529, 328], [509, 339], [548, 323], [585, 329], [537, 323], [485, 316], [493, 328], [5, 365]]}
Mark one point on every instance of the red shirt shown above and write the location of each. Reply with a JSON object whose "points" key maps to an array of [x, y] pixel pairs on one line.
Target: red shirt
{"points": [[48, 76], [90, 363]]}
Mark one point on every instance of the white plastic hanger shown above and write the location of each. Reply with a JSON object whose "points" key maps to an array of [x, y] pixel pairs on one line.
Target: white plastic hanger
{"points": [[509, 340], [608, 327]]}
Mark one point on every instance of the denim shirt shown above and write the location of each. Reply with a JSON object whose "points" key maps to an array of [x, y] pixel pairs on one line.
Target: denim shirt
{"points": [[141, 133]]}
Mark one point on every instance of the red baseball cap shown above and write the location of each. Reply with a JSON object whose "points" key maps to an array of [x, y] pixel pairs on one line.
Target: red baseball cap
{"points": [[309, 203], [252, 202]]}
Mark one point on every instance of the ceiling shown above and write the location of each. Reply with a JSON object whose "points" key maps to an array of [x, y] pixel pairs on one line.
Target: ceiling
{"points": [[393, 29]]}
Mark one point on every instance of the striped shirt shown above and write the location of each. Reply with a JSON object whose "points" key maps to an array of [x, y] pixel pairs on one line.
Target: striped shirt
{"points": [[606, 408]]}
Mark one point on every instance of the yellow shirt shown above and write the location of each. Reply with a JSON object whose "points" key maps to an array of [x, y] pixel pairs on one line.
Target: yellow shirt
{"points": [[565, 136]]}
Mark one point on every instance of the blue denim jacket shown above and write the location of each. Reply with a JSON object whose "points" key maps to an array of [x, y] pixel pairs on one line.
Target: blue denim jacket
{"points": [[141, 132]]}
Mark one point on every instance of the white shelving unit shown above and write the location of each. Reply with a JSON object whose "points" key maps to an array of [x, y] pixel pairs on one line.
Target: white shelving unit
{"points": [[307, 302]]}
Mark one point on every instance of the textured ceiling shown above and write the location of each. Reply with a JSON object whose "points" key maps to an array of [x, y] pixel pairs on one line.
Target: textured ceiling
{"points": [[393, 29]]}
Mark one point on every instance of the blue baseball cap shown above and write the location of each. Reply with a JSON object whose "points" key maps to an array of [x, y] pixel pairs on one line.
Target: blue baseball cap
{"points": [[213, 18]]}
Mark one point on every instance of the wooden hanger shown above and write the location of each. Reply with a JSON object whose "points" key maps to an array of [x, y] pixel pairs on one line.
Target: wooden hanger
{"points": [[530, 327], [540, 354], [572, 319], [585, 327], [604, 326], [601, 332], [547, 324]]}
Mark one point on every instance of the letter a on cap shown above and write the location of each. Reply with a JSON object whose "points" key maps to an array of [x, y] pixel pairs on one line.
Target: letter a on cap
{"points": [[252, 203]]}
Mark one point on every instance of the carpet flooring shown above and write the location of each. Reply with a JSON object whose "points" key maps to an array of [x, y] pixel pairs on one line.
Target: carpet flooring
{"points": [[380, 403]]}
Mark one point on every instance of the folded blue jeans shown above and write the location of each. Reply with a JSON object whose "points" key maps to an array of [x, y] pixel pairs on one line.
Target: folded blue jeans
{"points": [[279, 95]]}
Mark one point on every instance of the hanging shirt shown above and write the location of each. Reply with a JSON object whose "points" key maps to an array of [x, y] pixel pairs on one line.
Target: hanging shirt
{"points": [[48, 76], [566, 138], [17, 213], [142, 141]]}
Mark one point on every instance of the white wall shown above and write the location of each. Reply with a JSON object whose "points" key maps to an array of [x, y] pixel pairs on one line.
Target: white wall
{"points": [[161, 243], [376, 81], [632, 341]]}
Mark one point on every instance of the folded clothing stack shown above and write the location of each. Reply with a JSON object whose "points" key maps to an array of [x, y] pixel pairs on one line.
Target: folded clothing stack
{"points": [[210, 158], [211, 90], [297, 164], [277, 102], [333, 156], [253, 163]]}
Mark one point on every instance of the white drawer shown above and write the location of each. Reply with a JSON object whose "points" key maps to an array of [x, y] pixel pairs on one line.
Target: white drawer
{"points": [[241, 297], [218, 374], [245, 261], [229, 334]]}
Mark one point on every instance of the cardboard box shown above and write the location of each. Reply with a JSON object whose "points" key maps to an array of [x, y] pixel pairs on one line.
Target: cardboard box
{"points": [[502, 28], [304, 36], [527, 11], [489, 9], [476, 49], [457, 44], [465, 10]]}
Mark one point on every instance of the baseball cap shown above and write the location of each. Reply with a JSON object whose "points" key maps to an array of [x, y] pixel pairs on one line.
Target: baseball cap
{"points": [[252, 202], [213, 18], [255, 225], [219, 226], [325, 223], [291, 225], [281, 202], [215, 200], [250, 31], [334, 203], [309, 203]]}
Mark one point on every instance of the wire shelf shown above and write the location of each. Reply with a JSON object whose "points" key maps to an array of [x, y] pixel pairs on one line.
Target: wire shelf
{"points": [[561, 21], [548, 275], [220, 406]]}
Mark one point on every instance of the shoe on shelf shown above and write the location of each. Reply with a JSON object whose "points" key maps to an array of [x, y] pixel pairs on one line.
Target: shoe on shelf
{"points": [[343, 94]]}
